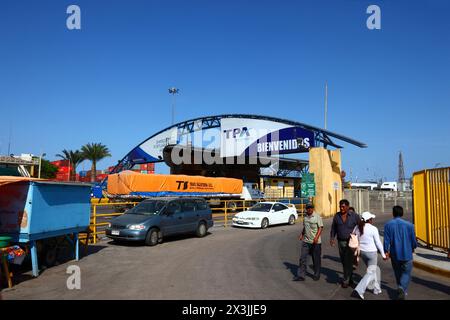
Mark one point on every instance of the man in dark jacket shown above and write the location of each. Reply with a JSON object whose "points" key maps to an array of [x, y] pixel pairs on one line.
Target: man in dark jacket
{"points": [[343, 224]]}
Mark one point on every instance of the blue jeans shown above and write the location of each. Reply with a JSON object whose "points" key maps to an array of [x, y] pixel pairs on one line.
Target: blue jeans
{"points": [[402, 271]]}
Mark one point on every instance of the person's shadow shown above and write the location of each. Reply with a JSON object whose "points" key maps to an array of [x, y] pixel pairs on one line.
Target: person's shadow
{"points": [[293, 268], [332, 276]]}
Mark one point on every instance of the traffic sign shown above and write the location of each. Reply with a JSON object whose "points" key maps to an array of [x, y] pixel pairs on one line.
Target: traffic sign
{"points": [[308, 189]]}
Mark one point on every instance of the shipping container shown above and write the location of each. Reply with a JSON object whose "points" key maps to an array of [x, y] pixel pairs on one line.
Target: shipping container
{"points": [[61, 163]]}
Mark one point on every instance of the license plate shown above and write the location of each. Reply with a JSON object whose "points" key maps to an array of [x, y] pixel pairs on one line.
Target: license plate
{"points": [[115, 232], [240, 222]]}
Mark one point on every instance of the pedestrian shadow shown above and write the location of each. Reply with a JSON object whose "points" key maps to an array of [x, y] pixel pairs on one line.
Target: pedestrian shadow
{"points": [[391, 292], [335, 259], [293, 268], [432, 285], [331, 276]]}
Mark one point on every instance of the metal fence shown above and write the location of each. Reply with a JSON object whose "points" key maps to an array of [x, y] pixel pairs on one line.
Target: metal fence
{"points": [[223, 212], [378, 202], [432, 207]]}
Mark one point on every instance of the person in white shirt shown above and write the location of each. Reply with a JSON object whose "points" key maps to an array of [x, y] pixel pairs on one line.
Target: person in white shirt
{"points": [[369, 245]]}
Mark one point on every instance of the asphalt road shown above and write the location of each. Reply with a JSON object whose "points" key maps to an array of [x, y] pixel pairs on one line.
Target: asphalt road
{"points": [[229, 263]]}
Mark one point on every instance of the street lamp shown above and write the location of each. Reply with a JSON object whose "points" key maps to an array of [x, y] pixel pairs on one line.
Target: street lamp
{"points": [[173, 91], [40, 163]]}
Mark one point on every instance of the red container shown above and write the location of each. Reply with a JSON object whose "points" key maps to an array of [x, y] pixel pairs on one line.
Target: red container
{"points": [[147, 167], [61, 163]]}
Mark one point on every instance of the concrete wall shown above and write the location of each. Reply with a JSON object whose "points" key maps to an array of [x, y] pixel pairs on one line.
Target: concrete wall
{"points": [[326, 166]]}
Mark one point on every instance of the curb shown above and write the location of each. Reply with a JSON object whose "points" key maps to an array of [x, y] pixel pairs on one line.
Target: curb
{"points": [[431, 269]]}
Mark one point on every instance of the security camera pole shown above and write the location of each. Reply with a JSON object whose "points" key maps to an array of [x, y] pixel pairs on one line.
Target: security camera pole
{"points": [[173, 91]]}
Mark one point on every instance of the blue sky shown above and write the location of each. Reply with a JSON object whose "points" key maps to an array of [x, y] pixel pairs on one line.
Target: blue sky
{"points": [[107, 82]]}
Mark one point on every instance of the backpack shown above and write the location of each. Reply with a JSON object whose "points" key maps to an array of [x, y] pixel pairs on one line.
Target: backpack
{"points": [[353, 243]]}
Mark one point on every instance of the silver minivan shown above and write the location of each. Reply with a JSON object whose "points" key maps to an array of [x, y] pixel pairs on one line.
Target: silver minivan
{"points": [[153, 219]]}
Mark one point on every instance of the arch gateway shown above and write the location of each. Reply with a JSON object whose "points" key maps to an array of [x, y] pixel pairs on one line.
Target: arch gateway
{"points": [[252, 148]]}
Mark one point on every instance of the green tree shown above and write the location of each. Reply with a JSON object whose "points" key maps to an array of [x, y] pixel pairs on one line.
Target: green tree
{"points": [[75, 158], [48, 170], [95, 152]]}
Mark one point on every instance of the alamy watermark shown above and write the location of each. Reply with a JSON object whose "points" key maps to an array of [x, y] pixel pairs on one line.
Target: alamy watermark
{"points": [[374, 20], [237, 146], [73, 21], [74, 280]]}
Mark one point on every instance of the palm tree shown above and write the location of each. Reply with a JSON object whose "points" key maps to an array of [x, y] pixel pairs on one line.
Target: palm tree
{"points": [[95, 152], [74, 157]]}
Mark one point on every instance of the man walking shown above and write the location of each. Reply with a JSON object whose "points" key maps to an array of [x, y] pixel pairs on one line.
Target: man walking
{"points": [[399, 244], [343, 224], [312, 229]]}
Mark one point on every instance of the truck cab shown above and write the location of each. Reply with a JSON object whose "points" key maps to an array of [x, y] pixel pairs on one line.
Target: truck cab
{"points": [[250, 191], [389, 186]]}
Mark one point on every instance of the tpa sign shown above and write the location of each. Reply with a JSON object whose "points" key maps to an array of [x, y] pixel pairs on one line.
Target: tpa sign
{"points": [[252, 137], [236, 133]]}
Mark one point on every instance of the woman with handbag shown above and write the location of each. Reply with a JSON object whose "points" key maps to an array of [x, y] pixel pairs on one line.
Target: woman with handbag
{"points": [[369, 245]]}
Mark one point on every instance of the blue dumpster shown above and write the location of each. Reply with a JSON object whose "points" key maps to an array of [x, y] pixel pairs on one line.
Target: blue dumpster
{"points": [[34, 209]]}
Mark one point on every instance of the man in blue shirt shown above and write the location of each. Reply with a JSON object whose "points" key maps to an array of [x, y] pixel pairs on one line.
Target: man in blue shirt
{"points": [[399, 244]]}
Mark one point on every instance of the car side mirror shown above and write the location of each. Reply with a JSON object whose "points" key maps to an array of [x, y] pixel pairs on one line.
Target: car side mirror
{"points": [[271, 211]]}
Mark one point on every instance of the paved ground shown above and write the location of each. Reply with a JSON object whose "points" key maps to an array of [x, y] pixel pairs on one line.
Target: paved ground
{"points": [[227, 264]]}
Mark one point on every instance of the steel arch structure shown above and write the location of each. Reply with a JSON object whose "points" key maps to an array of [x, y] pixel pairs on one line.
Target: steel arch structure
{"points": [[135, 156]]}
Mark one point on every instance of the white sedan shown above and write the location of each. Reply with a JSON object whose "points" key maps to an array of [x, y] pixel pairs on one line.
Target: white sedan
{"points": [[264, 214]]}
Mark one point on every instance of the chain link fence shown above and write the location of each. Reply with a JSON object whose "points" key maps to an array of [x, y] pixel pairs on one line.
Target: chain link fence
{"points": [[378, 202]]}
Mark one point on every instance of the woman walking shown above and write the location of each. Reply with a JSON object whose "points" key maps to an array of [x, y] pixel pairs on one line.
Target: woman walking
{"points": [[369, 245]]}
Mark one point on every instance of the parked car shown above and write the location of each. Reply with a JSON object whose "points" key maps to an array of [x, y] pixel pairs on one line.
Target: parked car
{"points": [[153, 219], [264, 214]]}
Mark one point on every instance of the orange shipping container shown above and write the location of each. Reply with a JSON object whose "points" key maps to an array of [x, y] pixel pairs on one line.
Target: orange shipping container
{"points": [[127, 182]]}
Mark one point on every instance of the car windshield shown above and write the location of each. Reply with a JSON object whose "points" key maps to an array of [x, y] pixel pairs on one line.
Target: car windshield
{"points": [[148, 208], [265, 207]]}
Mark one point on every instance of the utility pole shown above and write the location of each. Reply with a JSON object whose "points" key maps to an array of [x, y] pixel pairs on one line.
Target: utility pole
{"points": [[401, 173], [9, 141], [173, 91], [326, 104]]}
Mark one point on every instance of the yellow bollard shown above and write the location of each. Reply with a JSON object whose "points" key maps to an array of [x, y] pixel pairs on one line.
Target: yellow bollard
{"points": [[226, 214], [95, 224]]}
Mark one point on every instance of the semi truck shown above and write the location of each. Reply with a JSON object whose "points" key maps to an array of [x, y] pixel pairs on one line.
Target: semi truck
{"points": [[130, 185]]}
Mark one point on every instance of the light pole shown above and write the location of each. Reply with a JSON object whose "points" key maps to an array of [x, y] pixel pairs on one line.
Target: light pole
{"points": [[326, 104], [173, 91], [40, 163]]}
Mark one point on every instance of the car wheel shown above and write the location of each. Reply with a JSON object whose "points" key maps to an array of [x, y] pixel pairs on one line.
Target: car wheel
{"points": [[160, 237], [232, 206], [264, 223], [201, 230], [291, 220], [152, 237]]}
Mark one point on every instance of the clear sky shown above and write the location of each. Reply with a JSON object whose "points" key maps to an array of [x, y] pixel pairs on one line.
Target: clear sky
{"points": [[107, 82]]}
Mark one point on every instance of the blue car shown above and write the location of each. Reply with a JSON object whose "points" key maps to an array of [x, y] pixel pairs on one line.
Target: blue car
{"points": [[153, 219]]}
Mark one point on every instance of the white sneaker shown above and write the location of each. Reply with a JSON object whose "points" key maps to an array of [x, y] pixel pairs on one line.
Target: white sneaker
{"points": [[375, 291], [356, 293]]}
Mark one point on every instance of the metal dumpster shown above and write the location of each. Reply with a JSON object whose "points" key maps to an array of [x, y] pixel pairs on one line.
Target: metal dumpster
{"points": [[35, 209]]}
